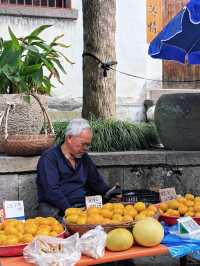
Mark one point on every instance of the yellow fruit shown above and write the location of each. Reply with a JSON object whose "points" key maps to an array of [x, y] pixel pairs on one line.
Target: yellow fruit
{"points": [[190, 203], [163, 206], [93, 210], [82, 220], [106, 213], [11, 240], [108, 206], [189, 196], [152, 208], [72, 218], [197, 214], [30, 229], [150, 213], [130, 212], [148, 232], [196, 208], [140, 206], [129, 207], [117, 210], [57, 228], [94, 219], [118, 205], [119, 239], [117, 218], [2, 239], [139, 217], [70, 211], [173, 204], [27, 238], [127, 218], [182, 209]]}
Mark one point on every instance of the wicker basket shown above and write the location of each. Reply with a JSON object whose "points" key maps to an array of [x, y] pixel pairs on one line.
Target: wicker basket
{"points": [[23, 145], [83, 228]]}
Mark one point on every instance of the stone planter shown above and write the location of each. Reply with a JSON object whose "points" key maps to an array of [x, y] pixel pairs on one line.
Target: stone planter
{"points": [[26, 118], [177, 118]]}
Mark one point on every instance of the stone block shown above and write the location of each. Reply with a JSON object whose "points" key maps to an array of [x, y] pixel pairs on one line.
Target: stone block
{"points": [[9, 188], [28, 193], [112, 175]]}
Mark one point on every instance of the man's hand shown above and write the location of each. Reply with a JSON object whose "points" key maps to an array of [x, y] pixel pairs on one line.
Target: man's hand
{"points": [[114, 194]]}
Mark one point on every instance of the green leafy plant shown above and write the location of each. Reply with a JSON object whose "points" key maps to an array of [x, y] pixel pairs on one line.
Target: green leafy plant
{"points": [[28, 64], [115, 135]]}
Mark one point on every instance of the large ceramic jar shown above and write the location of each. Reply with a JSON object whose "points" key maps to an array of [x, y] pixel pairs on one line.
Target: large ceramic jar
{"points": [[177, 118]]}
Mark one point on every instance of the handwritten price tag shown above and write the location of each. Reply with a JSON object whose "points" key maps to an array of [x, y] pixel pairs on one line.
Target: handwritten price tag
{"points": [[13, 209], [93, 201], [167, 193]]}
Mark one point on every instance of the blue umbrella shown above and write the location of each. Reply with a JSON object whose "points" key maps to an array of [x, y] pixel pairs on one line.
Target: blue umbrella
{"points": [[180, 38]]}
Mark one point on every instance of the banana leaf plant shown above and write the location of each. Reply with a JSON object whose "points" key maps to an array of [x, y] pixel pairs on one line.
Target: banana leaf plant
{"points": [[28, 64]]}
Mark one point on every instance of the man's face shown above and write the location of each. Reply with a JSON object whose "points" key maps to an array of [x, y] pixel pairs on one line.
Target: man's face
{"points": [[79, 144]]}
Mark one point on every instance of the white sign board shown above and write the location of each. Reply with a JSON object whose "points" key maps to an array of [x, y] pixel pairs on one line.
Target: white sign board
{"points": [[167, 194], [93, 201], [13, 209]]}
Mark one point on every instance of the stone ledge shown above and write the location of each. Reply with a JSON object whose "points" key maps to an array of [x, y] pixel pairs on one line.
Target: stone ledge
{"points": [[42, 12], [12, 164]]}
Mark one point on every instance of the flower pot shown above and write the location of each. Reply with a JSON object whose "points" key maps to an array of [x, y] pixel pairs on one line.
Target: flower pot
{"points": [[26, 118], [177, 118]]}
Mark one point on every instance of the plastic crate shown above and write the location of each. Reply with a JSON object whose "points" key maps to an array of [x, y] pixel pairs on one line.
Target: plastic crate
{"points": [[146, 196]]}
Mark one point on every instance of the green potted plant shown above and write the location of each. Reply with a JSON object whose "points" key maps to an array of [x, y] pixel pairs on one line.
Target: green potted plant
{"points": [[27, 67]]}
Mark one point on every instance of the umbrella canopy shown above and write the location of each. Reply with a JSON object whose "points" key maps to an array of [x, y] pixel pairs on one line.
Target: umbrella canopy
{"points": [[180, 38]]}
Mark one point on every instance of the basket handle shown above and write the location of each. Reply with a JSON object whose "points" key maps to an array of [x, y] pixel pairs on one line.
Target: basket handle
{"points": [[6, 114], [45, 114]]}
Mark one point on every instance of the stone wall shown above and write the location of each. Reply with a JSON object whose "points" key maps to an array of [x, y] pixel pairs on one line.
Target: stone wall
{"points": [[133, 170]]}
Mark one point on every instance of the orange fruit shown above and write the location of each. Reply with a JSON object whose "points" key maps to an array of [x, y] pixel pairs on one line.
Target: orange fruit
{"points": [[26, 238], [94, 219], [82, 219], [57, 228], [93, 210], [152, 208], [127, 218], [129, 207], [139, 217], [163, 206], [139, 206], [108, 206], [173, 204], [70, 211], [189, 196], [11, 240], [182, 209], [130, 212], [106, 213], [72, 218], [30, 229]]}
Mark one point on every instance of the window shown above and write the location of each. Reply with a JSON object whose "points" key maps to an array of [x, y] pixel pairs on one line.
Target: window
{"points": [[59, 9], [39, 3]]}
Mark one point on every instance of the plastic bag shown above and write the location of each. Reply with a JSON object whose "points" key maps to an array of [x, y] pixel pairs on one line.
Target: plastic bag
{"points": [[52, 251], [180, 245], [93, 242]]}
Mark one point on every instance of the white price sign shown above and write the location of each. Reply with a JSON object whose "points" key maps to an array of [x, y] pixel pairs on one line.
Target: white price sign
{"points": [[93, 201], [13, 209], [167, 194]]}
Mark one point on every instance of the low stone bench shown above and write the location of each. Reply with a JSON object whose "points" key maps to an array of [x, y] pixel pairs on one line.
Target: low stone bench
{"points": [[133, 170]]}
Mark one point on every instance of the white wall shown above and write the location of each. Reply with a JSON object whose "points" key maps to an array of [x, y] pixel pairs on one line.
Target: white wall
{"points": [[131, 47]]}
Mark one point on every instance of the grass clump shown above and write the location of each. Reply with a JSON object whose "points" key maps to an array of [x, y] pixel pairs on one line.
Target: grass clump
{"points": [[115, 135]]}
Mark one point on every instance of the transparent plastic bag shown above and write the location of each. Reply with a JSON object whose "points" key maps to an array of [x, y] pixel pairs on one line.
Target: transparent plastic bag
{"points": [[52, 251], [93, 242]]}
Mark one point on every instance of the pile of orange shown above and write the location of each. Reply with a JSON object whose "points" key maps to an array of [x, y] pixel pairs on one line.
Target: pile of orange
{"points": [[187, 205], [17, 232], [110, 213]]}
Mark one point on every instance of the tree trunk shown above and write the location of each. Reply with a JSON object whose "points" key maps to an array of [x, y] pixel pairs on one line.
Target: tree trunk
{"points": [[99, 27]]}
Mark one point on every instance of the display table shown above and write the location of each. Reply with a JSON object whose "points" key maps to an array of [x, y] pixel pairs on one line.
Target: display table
{"points": [[134, 252]]}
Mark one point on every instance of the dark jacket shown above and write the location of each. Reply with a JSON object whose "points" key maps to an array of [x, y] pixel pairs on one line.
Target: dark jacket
{"points": [[62, 186]]}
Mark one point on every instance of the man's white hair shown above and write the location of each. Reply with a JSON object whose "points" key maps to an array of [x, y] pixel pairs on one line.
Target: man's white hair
{"points": [[76, 126]]}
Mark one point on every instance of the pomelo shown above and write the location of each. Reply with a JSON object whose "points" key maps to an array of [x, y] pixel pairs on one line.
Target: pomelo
{"points": [[119, 239], [148, 232]]}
